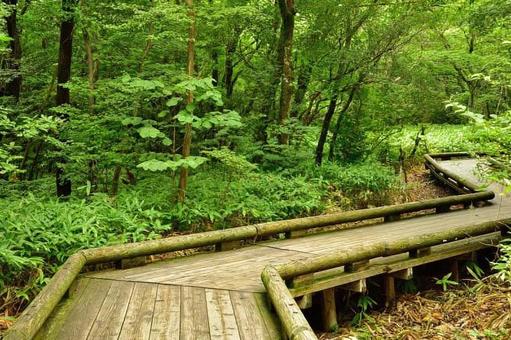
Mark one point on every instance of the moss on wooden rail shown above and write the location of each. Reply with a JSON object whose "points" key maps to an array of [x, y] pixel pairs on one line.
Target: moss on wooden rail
{"points": [[40, 309]]}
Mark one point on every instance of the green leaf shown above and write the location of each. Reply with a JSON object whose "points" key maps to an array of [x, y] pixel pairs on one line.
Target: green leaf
{"points": [[173, 101], [149, 132], [166, 141], [131, 121], [155, 165]]}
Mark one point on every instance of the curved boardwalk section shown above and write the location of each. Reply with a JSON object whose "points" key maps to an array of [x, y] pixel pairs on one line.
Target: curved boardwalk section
{"points": [[220, 295]]}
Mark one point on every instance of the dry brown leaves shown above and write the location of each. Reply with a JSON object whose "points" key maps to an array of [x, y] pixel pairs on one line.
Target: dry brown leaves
{"points": [[480, 312]]}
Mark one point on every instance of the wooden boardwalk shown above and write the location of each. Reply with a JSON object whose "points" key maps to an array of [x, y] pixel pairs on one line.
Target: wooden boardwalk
{"points": [[219, 295]]}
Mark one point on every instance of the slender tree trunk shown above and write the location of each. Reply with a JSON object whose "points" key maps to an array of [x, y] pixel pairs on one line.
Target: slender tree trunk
{"points": [[304, 77], [147, 49], [91, 69], [324, 129], [187, 139], [345, 108], [12, 86], [215, 73], [287, 12], [63, 76], [115, 180], [230, 49]]}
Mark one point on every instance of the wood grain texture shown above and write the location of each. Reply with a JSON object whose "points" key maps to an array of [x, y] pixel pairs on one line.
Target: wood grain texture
{"points": [[167, 314]]}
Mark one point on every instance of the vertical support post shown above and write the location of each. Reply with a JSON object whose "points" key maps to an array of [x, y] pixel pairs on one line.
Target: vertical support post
{"points": [[455, 270], [329, 310], [296, 233], [229, 245], [390, 290]]}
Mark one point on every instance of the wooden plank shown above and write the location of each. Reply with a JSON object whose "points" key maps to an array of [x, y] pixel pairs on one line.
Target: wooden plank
{"points": [[250, 323], [194, 314], [110, 318], [55, 322], [139, 315], [405, 274], [167, 313], [271, 320], [221, 319], [85, 311]]}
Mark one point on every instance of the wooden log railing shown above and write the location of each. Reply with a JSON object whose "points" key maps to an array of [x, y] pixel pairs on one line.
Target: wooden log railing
{"points": [[34, 316], [274, 277]]}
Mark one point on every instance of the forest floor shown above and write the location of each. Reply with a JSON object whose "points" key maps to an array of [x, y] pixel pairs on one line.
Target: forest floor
{"points": [[479, 310]]}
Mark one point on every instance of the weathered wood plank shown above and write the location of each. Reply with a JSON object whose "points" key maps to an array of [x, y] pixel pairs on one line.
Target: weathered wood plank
{"points": [[250, 323], [194, 314], [110, 318], [85, 311], [167, 313], [56, 321], [222, 322], [271, 321], [139, 315]]}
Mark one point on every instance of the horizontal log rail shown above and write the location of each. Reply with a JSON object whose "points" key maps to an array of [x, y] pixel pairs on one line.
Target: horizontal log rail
{"points": [[34, 316], [274, 277]]}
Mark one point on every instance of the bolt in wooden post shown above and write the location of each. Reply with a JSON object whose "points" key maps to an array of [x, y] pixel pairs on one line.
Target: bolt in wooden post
{"points": [[329, 310]]}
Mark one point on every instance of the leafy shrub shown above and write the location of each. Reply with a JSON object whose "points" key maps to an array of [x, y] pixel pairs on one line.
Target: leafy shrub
{"points": [[358, 184], [39, 234]]}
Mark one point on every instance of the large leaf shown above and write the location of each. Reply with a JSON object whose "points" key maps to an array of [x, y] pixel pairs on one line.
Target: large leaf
{"points": [[149, 132]]}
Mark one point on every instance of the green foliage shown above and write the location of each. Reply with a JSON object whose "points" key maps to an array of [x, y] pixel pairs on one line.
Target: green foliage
{"points": [[445, 282], [359, 184], [364, 304], [38, 235], [503, 264]]}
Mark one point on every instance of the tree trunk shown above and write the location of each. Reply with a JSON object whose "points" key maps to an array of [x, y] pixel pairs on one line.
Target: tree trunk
{"points": [[215, 74], [91, 67], [287, 12], [12, 86], [187, 139], [230, 49], [302, 84], [324, 129], [115, 180], [63, 76], [331, 152]]}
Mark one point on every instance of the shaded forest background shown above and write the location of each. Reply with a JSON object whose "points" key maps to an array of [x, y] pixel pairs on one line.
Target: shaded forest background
{"points": [[128, 120]]}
